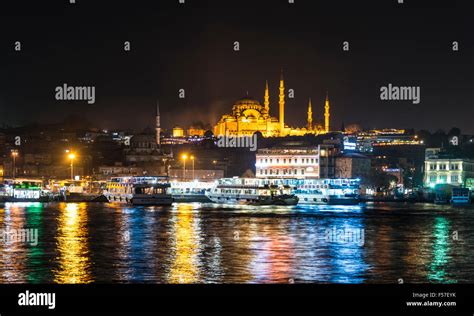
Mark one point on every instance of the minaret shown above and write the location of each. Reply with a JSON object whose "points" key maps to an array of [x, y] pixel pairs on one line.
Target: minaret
{"points": [[282, 105], [310, 116], [326, 114], [266, 102], [158, 125]]}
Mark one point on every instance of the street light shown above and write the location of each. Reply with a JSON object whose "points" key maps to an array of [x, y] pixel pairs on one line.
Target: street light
{"points": [[71, 157], [192, 159], [14, 155], [184, 157]]}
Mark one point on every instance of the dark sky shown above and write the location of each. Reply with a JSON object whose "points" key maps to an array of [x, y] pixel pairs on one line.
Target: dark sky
{"points": [[190, 46]]}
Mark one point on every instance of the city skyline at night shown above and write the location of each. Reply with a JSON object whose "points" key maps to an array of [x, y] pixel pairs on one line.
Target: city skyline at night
{"points": [[210, 148]]}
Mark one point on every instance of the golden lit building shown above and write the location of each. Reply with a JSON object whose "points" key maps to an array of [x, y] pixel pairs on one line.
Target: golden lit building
{"points": [[249, 116], [196, 131], [178, 131]]}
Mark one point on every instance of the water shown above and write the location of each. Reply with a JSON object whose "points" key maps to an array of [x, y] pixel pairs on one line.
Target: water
{"points": [[194, 243]]}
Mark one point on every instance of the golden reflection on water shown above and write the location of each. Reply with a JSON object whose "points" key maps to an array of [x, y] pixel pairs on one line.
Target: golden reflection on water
{"points": [[72, 245], [184, 267], [13, 254]]}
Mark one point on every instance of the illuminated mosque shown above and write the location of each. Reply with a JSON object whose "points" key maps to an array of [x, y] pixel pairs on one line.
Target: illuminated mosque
{"points": [[249, 116]]}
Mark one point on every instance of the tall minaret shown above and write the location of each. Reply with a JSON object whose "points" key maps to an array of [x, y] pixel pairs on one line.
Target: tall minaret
{"points": [[158, 125], [326, 114], [267, 100], [282, 105], [310, 116]]}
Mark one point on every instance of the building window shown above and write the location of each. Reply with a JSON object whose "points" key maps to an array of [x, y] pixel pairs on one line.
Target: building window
{"points": [[432, 178], [296, 171], [284, 160], [443, 178], [302, 171], [454, 179]]}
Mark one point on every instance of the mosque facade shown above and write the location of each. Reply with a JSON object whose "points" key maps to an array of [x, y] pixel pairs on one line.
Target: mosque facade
{"points": [[248, 116]]}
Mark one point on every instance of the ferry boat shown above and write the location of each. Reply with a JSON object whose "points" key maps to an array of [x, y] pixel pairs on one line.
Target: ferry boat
{"points": [[190, 191], [139, 190], [152, 194], [443, 193], [119, 190], [77, 190], [461, 196], [23, 190], [326, 191], [251, 191]]}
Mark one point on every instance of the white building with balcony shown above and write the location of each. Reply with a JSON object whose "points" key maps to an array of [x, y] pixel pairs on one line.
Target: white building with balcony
{"points": [[295, 162], [442, 168]]}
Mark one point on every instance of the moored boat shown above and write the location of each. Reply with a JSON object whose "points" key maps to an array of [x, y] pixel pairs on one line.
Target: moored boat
{"points": [[24, 190], [146, 190], [190, 191], [461, 196], [151, 194], [250, 191], [326, 191]]}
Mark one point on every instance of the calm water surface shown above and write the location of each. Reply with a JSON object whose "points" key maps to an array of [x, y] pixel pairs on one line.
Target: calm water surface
{"points": [[203, 243]]}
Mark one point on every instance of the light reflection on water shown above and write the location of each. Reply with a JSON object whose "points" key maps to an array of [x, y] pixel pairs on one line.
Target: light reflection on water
{"points": [[194, 243], [72, 244]]}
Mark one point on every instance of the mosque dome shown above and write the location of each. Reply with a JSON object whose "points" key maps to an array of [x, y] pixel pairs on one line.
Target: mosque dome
{"points": [[247, 107]]}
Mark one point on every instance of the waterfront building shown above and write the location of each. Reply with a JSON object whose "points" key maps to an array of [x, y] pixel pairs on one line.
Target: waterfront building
{"points": [[248, 116], [369, 140], [445, 168], [295, 162], [352, 165]]}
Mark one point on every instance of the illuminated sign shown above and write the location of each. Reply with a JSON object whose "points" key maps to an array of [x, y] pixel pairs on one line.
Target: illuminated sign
{"points": [[350, 143]]}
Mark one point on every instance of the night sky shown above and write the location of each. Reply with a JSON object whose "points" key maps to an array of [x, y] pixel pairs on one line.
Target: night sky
{"points": [[190, 46]]}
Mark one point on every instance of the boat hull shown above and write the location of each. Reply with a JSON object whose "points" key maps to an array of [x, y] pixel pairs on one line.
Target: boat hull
{"points": [[278, 200], [255, 200], [8, 199], [191, 198], [152, 200], [327, 200]]}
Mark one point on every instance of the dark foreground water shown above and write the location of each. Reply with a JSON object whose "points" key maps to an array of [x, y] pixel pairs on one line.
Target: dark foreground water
{"points": [[194, 243]]}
